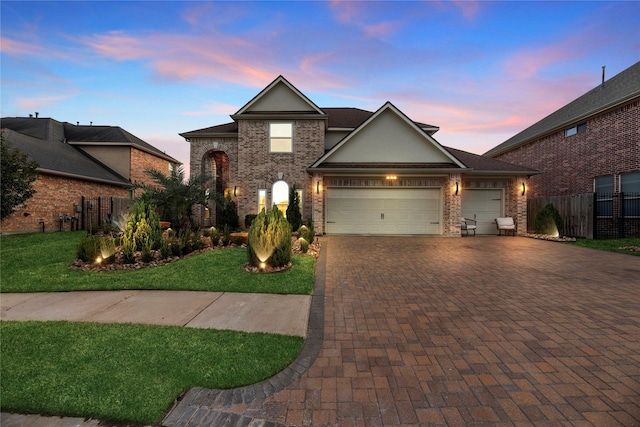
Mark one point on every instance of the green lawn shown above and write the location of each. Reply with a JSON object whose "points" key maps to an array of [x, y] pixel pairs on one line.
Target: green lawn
{"points": [[40, 262], [128, 373], [611, 245]]}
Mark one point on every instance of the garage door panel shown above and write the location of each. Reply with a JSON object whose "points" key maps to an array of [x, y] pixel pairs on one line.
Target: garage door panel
{"points": [[383, 211], [485, 206]]}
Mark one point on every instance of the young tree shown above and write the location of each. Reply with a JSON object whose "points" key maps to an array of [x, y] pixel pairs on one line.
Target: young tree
{"points": [[294, 216], [18, 174], [175, 198]]}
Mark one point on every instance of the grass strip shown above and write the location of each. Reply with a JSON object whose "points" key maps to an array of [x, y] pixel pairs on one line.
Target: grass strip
{"points": [[127, 373], [611, 245], [40, 263]]}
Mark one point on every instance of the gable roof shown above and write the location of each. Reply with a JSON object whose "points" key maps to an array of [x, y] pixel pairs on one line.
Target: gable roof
{"points": [[56, 146], [110, 135], [340, 118], [434, 154], [616, 91], [280, 81], [58, 158], [489, 166]]}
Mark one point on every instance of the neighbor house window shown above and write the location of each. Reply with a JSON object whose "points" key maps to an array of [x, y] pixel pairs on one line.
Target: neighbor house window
{"points": [[603, 187], [281, 137], [262, 199], [280, 196], [630, 186], [576, 129]]}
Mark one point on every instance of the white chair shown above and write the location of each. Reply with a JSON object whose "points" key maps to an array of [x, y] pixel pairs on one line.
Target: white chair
{"points": [[507, 224], [467, 225]]}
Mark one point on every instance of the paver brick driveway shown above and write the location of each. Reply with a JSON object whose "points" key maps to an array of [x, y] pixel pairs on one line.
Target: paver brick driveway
{"points": [[470, 331]]}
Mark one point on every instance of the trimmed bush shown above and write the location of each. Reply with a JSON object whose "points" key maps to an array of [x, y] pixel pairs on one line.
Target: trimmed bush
{"points": [[548, 221], [293, 210], [248, 220], [88, 248], [230, 214], [304, 245], [269, 239]]}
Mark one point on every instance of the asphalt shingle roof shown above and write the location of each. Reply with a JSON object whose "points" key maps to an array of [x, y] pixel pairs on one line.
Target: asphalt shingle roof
{"points": [[341, 118], [60, 158], [620, 88]]}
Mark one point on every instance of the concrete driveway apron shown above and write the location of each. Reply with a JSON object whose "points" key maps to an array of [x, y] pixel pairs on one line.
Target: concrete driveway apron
{"points": [[443, 331]]}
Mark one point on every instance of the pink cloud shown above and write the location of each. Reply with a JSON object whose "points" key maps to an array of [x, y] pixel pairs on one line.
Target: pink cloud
{"points": [[353, 13], [39, 103], [15, 47], [469, 8], [213, 109]]}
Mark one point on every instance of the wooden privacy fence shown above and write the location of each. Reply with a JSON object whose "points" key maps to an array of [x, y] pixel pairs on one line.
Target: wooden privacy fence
{"points": [[576, 212], [592, 215]]}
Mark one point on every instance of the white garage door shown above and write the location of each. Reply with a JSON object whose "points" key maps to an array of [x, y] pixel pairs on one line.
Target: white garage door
{"points": [[486, 206], [383, 211]]}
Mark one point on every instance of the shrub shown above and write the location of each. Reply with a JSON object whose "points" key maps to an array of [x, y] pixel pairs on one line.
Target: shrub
{"points": [[165, 248], [226, 236], [548, 221], [311, 233], [294, 216], [248, 220], [88, 248], [108, 250], [229, 217], [304, 245], [269, 239]]}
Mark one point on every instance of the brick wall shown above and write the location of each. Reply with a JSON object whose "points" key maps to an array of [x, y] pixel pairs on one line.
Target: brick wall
{"points": [[259, 169], [140, 162], [609, 146], [55, 196]]}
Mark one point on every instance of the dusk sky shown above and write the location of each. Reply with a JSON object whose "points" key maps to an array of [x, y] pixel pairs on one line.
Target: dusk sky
{"points": [[482, 71]]}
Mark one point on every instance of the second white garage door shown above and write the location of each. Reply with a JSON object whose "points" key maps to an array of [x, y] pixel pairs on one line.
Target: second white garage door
{"points": [[485, 206], [383, 211]]}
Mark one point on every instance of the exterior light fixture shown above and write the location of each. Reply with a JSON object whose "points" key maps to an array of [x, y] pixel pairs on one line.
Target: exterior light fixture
{"points": [[235, 190], [523, 188], [263, 265], [318, 187], [457, 188], [391, 177]]}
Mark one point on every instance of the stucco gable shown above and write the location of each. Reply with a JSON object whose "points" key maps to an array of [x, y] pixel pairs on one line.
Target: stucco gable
{"points": [[388, 136], [280, 97]]}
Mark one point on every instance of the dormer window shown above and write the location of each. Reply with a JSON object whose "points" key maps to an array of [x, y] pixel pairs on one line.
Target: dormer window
{"points": [[280, 137]]}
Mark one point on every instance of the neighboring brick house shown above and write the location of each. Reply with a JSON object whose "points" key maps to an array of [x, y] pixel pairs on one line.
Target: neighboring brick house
{"points": [[592, 143], [356, 171], [76, 162]]}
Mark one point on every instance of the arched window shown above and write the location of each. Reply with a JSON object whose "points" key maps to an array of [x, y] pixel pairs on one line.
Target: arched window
{"points": [[280, 195]]}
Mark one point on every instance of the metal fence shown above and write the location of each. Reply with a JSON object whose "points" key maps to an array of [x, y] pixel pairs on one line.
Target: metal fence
{"points": [[96, 211], [616, 215], [592, 215]]}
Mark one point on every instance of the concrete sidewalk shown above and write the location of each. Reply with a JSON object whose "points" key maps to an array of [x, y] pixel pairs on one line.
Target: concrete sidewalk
{"points": [[269, 313]]}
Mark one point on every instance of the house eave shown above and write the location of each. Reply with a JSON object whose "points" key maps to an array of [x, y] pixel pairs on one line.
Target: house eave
{"points": [[189, 135], [280, 116], [83, 177], [160, 154], [387, 170]]}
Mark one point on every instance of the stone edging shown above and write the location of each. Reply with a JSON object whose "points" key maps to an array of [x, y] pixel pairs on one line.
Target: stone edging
{"points": [[194, 408]]}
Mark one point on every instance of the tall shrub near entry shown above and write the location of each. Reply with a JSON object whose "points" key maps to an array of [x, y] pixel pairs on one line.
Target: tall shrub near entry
{"points": [[294, 216], [548, 221], [269, 239]]}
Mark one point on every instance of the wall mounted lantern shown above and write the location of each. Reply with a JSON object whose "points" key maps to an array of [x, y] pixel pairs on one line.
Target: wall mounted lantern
{"points": [[523, 188], [235, 191], [457, 188], [318, 187]]}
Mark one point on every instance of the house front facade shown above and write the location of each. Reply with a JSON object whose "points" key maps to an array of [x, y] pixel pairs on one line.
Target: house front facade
{"points": [[355, 171]]}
